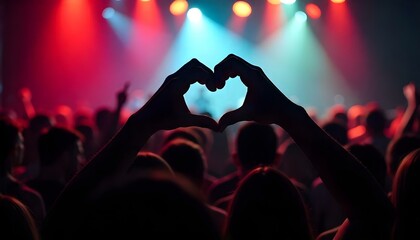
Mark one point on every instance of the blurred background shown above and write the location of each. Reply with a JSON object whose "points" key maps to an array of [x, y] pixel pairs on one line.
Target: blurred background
{"points": [[320, 53]]}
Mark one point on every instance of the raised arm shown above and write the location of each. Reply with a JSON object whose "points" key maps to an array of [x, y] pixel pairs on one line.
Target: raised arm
{"points": [[362, 198], [413, 102], [165, 110]]}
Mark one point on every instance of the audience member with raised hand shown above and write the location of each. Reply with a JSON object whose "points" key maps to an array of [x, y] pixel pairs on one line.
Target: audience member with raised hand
{"points": [[410, 116], [108, 121], [101, 202], [369, 211]]}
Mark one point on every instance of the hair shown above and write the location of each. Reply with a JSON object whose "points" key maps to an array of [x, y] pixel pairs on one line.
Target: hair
{"points": [[376, 121], [372, 159], [266, 205], [56, 141], [103, 117], [183, 133], [186, 158], [40, 122], [145, 208], [149, 162], [15, 220], [337, 131], [398, 149], [406, 197], [256, 144]]}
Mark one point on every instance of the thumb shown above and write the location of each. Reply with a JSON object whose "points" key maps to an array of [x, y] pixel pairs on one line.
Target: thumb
{"points": [[202, 121], [231, 117]]}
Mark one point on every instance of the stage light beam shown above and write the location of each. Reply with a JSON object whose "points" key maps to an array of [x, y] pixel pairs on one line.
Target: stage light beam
{"points": [[242, 9]]}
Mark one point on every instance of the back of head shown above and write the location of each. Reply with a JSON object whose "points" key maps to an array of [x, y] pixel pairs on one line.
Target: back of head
{"points": [[103, 118], [147, 208], [256, 144], [376, 121], [149, 163], [186, 158], [183, 133], [267, 205], [372, 159], [398, 149], [40, 122], [406, 197], [54, 143], [15, 220], [337, 130], [9, 134]]}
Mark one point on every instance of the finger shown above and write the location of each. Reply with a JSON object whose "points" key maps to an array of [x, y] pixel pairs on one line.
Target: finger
{"points": [[231, 117], [193, 65], [194, 74], [202, 121], [230, 67]]}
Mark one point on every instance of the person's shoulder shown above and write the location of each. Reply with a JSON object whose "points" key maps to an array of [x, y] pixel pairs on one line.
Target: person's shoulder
{"points": [[29, 192]]}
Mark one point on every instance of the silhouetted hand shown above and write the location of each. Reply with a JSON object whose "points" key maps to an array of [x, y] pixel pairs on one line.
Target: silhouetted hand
{"points": [[263, 101], [167, 109], [122, 95]]}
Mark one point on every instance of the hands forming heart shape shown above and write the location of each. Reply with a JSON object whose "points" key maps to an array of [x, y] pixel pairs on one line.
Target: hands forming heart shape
{"points": [[263, 103]]}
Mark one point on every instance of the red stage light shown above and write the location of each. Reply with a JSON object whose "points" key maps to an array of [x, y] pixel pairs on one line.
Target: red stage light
{"points": [[338, 1], [313, 11]]}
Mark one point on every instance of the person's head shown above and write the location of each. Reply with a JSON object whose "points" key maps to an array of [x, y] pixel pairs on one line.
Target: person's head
{"points": [[16, 220], [398, 149], [148, 163], [376, 121], [64, 116], [355, 115], [338, 131], [146, 208], [186, 133], [187, 159], [338, 113], [256, 145], [61, 149], [266, 205], [406, 197], [11, 145], [103, 118], [39, 123], [88, 134], [372, 159]]}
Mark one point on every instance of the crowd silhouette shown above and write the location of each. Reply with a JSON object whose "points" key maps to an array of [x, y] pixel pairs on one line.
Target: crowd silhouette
{"points": [[353, 176]]}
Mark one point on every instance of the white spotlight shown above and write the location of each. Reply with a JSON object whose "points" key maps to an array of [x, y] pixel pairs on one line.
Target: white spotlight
{"points": [[194, 14]]}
